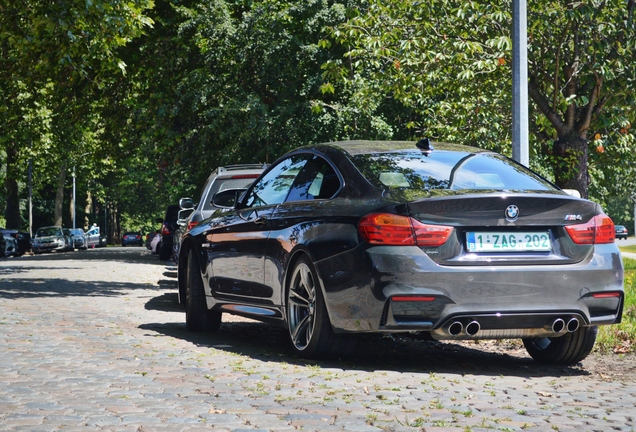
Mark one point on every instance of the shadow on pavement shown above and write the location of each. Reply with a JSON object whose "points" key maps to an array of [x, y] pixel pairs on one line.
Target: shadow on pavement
{"points": [[38, 288], [401, 353], [168, 302]]}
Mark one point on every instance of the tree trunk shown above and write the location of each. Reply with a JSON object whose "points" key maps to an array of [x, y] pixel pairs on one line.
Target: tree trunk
{"points": [[59, 196], [12, 211], [570, 168], [88, 209]]}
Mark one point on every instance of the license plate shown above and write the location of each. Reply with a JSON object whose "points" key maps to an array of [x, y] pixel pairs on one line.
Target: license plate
{"points": [[508, 242]]}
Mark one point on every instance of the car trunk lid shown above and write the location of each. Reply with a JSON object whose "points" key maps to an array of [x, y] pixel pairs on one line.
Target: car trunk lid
{"points": [[506, 228]]}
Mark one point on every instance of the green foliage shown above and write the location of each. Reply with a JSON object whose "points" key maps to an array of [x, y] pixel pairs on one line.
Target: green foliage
{"points": [[145, 99], [449, 62], [55, 55], [221, 82], [621, 338]]}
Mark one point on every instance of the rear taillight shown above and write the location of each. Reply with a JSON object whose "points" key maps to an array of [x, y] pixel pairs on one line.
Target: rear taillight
{"points": [[395, 230], [165, 230], [431, 235], [611, 294], [598, 230], [192, 225]]}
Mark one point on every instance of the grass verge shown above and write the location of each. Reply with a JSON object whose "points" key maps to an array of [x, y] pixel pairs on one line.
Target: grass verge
{"points": [[621, 338]]}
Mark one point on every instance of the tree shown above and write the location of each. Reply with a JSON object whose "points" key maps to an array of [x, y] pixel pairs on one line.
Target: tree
{"points": [[63, 50], [221, 82], [449, 60]]}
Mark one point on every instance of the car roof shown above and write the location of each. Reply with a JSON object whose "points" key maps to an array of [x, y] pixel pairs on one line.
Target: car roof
{"points": [[240, 167], [373, 146]]}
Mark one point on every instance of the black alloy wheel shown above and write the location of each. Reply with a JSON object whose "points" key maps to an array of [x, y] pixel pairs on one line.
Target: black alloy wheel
{"points": [[308, 323]]}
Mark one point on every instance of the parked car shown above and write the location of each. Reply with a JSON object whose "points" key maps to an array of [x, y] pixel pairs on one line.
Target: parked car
{"points": [[133, 238], [68, 236], [150, 237], [168, 228], [620, 232], [22, 238], [50, 239], [186, 207], [79, 238], [10, 247], [449, 241], [94, 238], [154, 243], [222, 178]]}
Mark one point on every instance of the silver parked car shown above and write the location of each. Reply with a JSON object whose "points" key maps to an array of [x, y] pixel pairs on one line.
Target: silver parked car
{"points": [[93, 237], [79, 238], [223, 178], [50, 239]]}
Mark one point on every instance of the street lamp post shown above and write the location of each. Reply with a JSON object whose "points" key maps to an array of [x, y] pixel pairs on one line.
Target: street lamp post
{"points": [[633, 197], [74, 211], [520, 151]]}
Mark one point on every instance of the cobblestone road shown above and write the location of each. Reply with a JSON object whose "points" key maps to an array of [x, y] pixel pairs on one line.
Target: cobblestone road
{"points": [[94, 340]]}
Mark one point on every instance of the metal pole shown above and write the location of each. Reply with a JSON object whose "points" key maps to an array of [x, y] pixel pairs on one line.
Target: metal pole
{"points": [[74, 197], [30, 175], [520, 151]]}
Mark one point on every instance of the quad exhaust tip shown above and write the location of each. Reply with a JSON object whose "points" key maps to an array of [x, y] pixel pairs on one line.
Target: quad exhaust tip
{"points": [[573, 325], [472, 328], [559, 326], [456, 328]]}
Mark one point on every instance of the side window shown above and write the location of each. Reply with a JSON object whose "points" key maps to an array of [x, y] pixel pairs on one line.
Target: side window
{"points": [[317, 180], [273, 188]]}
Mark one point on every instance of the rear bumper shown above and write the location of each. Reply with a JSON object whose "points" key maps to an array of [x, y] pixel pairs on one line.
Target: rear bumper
{"points": [[395, 289]]}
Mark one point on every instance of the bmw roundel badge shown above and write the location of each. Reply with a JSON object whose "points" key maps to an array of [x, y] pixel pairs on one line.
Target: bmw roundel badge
{"points": [[512, 213]]}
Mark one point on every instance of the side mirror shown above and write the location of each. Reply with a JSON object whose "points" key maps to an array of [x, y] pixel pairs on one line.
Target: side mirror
{"points": [[183, 215], [227, 199], [186, 203]]}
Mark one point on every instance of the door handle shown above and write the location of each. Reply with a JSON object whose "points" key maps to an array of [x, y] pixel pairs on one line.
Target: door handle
{"points": [[260, 220]]}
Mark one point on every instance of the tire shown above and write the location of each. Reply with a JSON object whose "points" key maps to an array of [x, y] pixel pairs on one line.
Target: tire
{"points": [[198, 317], [568, 349], [308, 322]]}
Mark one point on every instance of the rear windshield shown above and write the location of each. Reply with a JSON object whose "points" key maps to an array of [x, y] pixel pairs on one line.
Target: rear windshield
{"points": [[447, 170]]}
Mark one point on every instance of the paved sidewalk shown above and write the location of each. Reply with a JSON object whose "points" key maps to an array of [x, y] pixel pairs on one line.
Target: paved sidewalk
{"points": [[94, 340]]}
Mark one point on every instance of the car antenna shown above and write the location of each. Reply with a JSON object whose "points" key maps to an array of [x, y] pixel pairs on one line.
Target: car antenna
{"points": [[424, 144]]}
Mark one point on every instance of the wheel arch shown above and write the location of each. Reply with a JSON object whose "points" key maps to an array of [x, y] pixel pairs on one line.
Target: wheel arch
{"points": [[294, 257], [182, 267]]}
